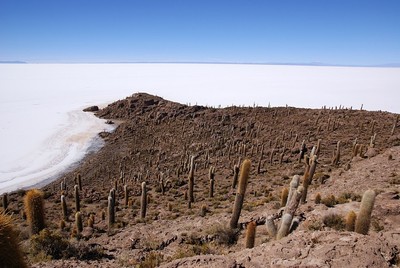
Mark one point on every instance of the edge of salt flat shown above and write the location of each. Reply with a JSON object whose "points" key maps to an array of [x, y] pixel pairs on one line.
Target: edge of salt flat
{"points": [[57, 154]]}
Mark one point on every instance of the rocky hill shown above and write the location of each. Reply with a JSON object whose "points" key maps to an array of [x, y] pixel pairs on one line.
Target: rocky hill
{"points": [[154, 142]]}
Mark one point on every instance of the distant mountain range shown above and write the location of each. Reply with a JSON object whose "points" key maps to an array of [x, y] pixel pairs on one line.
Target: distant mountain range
{"points": [[12, 62]]}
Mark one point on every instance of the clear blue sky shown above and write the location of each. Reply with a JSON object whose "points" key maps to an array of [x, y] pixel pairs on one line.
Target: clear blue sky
{"points": [[281, 31]]}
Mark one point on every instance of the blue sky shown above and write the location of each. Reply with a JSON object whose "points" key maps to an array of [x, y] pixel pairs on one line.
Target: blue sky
{"points": [[283, 31]]}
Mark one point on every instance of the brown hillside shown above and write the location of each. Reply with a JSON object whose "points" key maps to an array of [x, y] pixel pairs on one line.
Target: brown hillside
{"points": [[154, 141]]}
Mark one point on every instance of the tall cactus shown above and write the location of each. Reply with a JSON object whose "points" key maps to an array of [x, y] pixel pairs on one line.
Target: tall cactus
{"points": [[271, 227], [251, 234], [243, 180], [294, 183], [78, 222], [289, 213], [64, 208], [318, 149], [5, 201], [143, 201], [351, 221], [303, 150], [364, 217], [336, 156], [77, 199], [126, 195], [308, 177], [10, 252], [212, 181], [235, 176], [111, 212], [79, 181], [191, 179], [34, 209], [284, 196]]}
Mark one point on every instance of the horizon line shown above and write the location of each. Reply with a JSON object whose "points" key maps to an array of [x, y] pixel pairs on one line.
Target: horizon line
{"points": [[384, 65]]}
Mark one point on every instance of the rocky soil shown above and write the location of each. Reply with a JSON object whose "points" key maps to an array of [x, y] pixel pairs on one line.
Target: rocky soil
{"points": [[154, 141]]}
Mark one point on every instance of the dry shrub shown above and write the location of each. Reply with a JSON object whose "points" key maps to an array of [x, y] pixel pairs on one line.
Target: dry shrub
{"points": [[318, 199], [329, 201], [313, 224], [224, 235], [51, 245], [153, 259], [334, 221]]}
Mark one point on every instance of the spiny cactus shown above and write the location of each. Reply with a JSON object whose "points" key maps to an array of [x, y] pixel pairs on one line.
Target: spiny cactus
{"points": [[64, 207], [364, 216], [235, 176], [271, 227], [111, 212], [260, 160], [143, 201], [162, 184], [318, 149], [10, 252], [79, 181], [126, 195], [356, 149], [112, 194], [285, 226], [191, 179], [303, 150], [284, 196], [282, 155], [91, 220], [308, 177], [5, 201], [243, 180], [251, 234], [211, 176], [294, 183], [336, 155], [34, 209], [289, 213], [351, 221], [372, 142], [78, 222], [77, 199], [203, 210]]}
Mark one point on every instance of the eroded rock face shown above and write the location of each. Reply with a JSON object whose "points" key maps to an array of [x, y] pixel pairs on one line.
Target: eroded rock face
{"points": [[306, 249], [323, 249]]}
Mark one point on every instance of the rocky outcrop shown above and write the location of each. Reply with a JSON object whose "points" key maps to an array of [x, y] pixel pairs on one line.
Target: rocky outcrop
{"points": [[91, 109]]}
